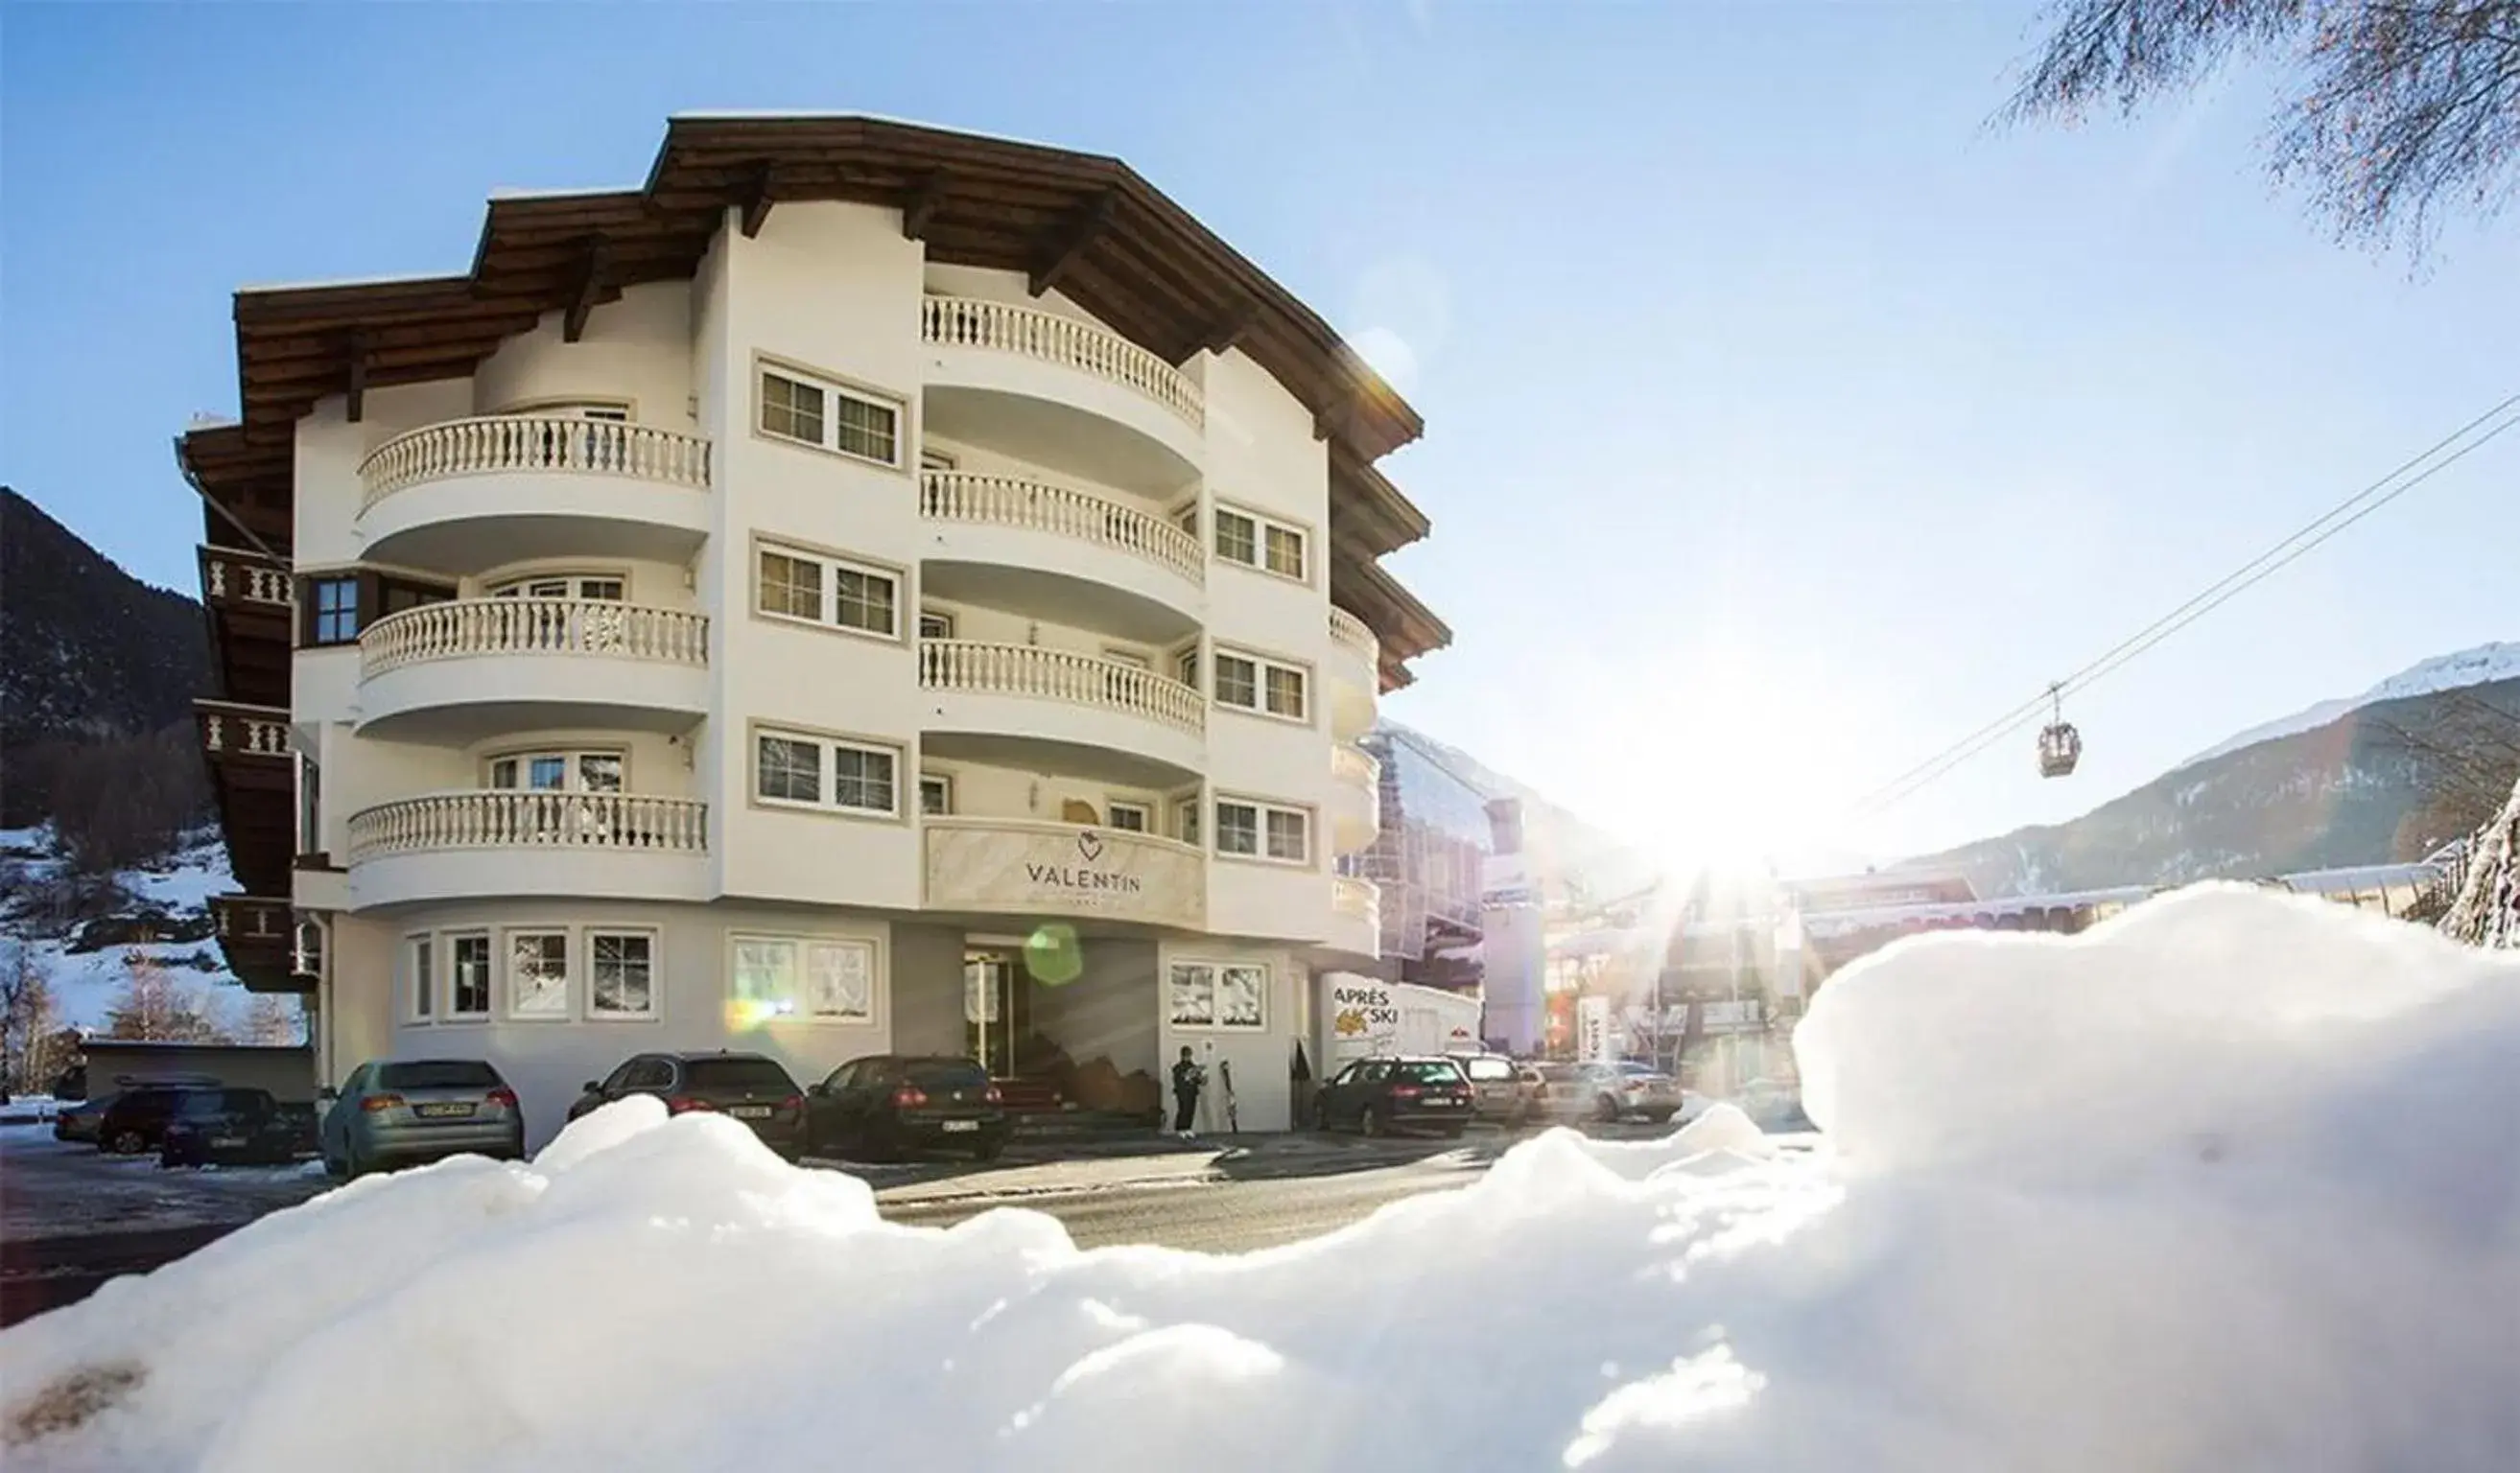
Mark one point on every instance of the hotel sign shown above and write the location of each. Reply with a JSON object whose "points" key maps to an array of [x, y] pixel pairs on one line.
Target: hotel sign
{"points": [[1057, 870]]}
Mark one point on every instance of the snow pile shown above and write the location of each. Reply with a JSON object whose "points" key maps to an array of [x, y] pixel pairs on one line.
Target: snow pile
{"points": [[171, 897], [2232, 1182]]}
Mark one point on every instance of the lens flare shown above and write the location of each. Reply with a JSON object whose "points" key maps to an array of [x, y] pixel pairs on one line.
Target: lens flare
{"points": [[1053, 955]]}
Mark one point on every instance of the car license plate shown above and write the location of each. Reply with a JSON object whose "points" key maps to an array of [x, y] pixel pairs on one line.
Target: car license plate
{"points": [[444, 1111], [961, 1125], [750, 1112], [1437, 1102], [227, 1141]]}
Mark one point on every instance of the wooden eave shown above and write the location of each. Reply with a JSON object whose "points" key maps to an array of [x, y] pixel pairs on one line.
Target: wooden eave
{"points": [[1404, 627]]}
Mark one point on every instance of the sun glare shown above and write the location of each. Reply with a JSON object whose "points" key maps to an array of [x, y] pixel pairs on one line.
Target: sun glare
{"points": [[1735, 774]]}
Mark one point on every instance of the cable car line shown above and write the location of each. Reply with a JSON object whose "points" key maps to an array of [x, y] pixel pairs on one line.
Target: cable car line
{"points": [[2328, 524]]}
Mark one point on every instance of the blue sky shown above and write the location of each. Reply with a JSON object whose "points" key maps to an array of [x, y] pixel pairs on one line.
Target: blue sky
{"points": [[1783, 424]]}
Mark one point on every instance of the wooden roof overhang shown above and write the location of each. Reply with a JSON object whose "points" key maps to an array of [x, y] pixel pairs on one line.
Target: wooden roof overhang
{"points": [[1404, 627], [1085, 223]]}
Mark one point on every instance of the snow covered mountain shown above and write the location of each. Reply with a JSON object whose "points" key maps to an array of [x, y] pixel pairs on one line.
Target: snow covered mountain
{"points": [[2481, 665], [2386, 775]]}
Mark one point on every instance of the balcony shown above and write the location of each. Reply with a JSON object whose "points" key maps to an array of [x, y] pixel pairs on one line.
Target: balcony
{"points": [[1034, 694], [1356, 674], [524, 843], [1022, 868], [1356, 800], [1084, 558], [265, 945], [481, 665], [1059, 390], [251, 736], [467, 494], [1356, 918]]}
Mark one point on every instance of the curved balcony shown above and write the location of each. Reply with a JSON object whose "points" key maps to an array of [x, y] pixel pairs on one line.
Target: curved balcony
{"points": [[468, 493], [1356, 799], [1080, 558], [520, 842], [1032, 693], [1057, 390], [1356, 674], [1356, 916], [476, 665]]}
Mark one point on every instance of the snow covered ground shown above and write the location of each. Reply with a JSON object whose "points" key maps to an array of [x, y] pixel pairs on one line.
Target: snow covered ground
{"points": [[85, 984], [2232, 1182]]}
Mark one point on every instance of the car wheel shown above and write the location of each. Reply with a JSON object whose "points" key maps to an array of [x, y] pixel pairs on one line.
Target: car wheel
{"points": [[1371, 1123], [1658, 1117], [353, 1165], [1453, 1131], [989, 1148], [1321, 1116], [127, 1143], [1606, 1110]]}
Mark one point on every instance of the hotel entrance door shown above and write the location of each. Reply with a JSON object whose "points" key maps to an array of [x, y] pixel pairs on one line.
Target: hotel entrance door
{"points": [[997, 1010]]}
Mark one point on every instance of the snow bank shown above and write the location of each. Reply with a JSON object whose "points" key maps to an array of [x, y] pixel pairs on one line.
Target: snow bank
{"points": [[2232, 1182]]}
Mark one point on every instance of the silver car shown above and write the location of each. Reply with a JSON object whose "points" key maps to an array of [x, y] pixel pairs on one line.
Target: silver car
{"points": [[398, 1112]]}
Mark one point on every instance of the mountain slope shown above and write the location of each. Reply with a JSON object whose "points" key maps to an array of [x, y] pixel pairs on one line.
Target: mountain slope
{"points": [[2481, 665], [86, 651], [2345, 792]]}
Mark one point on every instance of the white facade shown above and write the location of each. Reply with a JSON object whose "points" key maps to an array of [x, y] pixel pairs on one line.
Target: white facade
{"points": [[646, 764]]}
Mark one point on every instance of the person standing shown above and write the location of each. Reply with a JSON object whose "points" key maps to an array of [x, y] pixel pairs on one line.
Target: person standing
{"points": [[1187, 1079]]}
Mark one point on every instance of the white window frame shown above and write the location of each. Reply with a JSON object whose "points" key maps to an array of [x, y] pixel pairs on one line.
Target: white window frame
{"points": [[420, 978], [804, 946], [1190, 663], [1187, 818], [945, 783], [573, 757], [515, 585], [943, 619], [511, 1012], [1261, 665], [830, 565], [450, 1013], [826, 772], [832, 391], [655, 1008], [1207, 975], [1146, 812], [1261, 810], [1262, 524]]}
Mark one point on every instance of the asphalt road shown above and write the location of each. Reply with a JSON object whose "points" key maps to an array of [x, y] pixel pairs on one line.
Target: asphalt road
{"points": [[1216, 1217]]}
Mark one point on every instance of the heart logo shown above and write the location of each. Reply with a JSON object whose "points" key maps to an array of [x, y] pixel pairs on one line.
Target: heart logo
{"points": [[1089, 844]]}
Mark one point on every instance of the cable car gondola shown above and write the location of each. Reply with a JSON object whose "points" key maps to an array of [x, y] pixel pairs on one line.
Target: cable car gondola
{"points": [[2060, 746]]}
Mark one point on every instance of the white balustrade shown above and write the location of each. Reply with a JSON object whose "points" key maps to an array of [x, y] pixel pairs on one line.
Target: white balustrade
{"points": [[1355, 767], [225, 578], [1017, 501], [1358, 899], [1349, 631], [1055, 338], [533, 626], [235, 733], [1059, 675], [504, 818], [534, 442]]}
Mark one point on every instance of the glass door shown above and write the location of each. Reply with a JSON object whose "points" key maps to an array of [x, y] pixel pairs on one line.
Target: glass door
{"points": [[996, 1014]]}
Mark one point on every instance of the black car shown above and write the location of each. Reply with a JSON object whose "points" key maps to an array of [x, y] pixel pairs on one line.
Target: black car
{"points": [[234, 1128], [1378, 1096], [136, 1122], [749, 1087], [879, 1107]]}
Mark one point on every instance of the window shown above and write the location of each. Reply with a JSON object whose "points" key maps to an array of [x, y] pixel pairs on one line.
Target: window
{"points": [[831, 981], [1237, 537], [830, 417], [1264, 830], [1262, 542], [1219, 995], [791, 769], [930, 459], [468, 980], [423, 978], [1185, 517], [1253, 682], [793, 585], [621, 972], [936, 792], [558, 772], [603, 587], [1185, 821], [1129, 817], [538, 974], [397, 595], [936, 625], [336, 602], [1185, 667]]}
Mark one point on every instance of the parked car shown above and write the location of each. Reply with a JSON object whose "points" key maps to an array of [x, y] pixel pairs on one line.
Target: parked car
{"points": [[80, 1121], [1413, 1091], [749, 1087], [136, 1122], [1504, 1093], [1615, 1091], [880, 1107], [398, 1112], [231, 1128]]}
